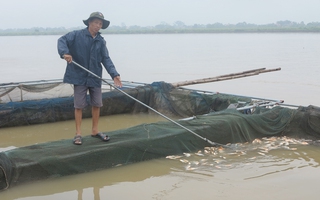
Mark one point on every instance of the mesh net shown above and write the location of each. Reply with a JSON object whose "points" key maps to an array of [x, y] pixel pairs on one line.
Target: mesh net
{"points": [[161, 96], [156, 140], [14, 92]]}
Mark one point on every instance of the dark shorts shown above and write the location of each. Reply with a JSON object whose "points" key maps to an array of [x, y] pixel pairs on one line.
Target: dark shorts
{"points": [[80, 96]]}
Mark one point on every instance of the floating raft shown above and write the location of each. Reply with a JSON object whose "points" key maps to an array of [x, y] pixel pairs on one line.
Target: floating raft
{"points": [[220, 118], [155, 140]]}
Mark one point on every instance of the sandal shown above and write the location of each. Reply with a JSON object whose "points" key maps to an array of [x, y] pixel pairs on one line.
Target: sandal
{"points": [[102, 136], [77, 140]]}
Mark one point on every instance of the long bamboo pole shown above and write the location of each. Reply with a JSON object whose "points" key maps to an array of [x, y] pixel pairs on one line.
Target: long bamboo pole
{"points": [[162, 115], [225, 77]]}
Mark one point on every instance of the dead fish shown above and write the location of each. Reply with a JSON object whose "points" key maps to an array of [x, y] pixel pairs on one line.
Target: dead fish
{"points": [[273, 139], [218, 161], [208, 148], [240, 153], [214, 153], [184, 161], [221, 150], [199, 153], [304, 143], [195, 162], [264, 151], [205, 164], [187, 154], [256, 141], [189, 168], [233, 153], [267, 146], [173, 157], [284, 143]]}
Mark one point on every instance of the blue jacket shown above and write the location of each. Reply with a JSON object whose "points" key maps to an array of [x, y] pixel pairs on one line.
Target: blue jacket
{"points": [[89, 52]]}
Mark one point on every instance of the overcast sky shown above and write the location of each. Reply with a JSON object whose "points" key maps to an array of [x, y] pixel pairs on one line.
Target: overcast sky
{"points": [[70, 13]]}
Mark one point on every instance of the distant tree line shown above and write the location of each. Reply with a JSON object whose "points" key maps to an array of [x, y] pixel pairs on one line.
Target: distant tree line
{"points": [[179, 27]]}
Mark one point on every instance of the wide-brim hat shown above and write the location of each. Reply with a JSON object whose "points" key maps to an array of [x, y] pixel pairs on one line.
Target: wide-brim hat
{"points": [[98, 15]]}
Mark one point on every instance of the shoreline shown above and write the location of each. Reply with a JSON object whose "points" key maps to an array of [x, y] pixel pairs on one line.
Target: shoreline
{"points": [[33, 32]]}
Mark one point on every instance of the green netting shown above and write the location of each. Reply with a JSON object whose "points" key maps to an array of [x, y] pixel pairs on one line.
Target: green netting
{"points": [[155, 140], [161, 96]]}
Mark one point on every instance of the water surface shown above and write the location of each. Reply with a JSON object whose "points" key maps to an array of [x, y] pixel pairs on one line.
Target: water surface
{"points": [[288, 172]]}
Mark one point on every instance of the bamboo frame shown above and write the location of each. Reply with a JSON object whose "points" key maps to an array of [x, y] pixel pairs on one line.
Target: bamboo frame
{"points": [[226, 77]]}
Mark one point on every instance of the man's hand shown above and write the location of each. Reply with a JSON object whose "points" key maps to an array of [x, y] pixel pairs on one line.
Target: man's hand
{"points": [[68, 58], [117, 81]]}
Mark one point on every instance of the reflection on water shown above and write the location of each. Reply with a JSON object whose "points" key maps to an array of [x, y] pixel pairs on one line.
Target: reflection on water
{"points": [[88, 185]]}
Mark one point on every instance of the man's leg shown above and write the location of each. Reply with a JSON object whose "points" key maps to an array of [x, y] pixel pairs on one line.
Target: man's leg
{"points": [[80, 93], [96, 103], [95, 119], [78, 120], [95, 122]]}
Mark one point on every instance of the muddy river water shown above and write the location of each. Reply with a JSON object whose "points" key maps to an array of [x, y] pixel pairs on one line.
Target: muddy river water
{"points": [[274, 168], [279, 168]]}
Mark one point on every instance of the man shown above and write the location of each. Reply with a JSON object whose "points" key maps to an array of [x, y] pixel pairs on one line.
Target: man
{"points": [[88, 48]]}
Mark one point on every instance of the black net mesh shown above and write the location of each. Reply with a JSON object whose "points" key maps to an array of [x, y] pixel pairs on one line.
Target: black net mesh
{"points": [[161, 96], [156, 140]]}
